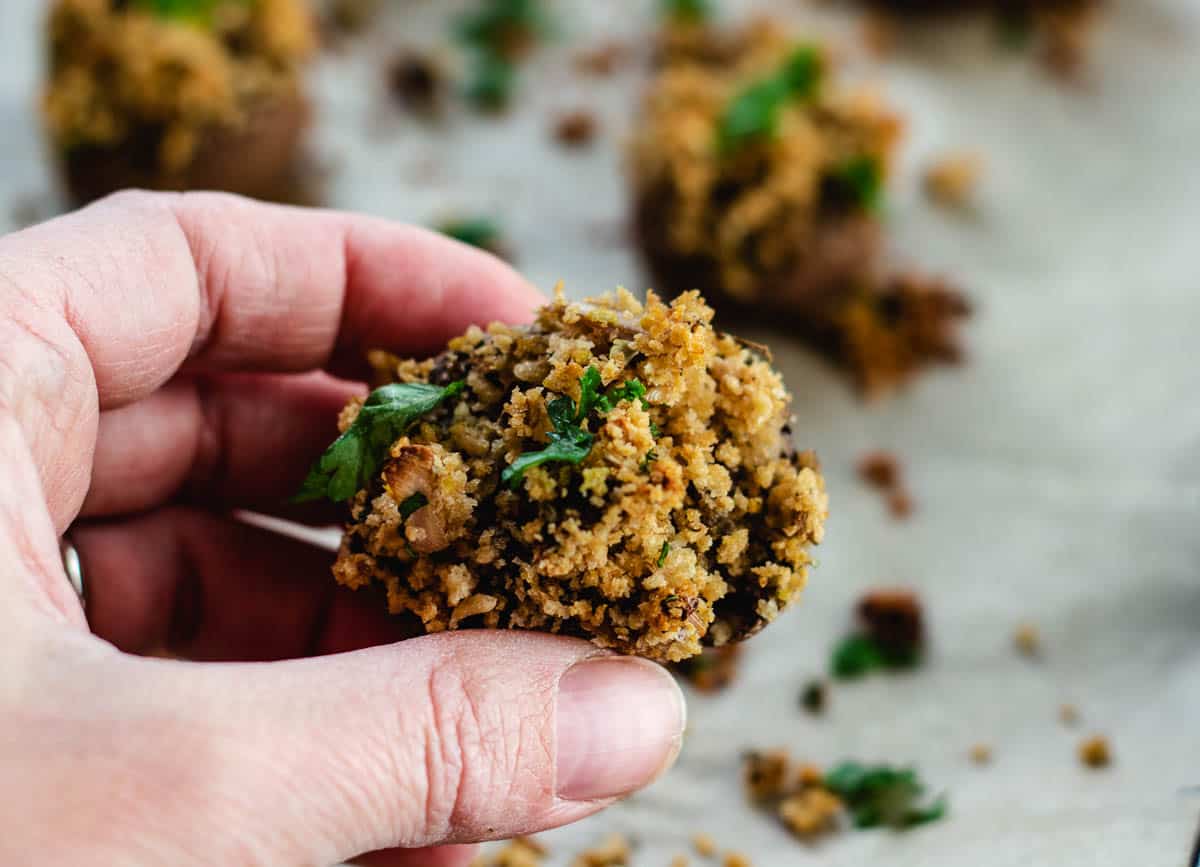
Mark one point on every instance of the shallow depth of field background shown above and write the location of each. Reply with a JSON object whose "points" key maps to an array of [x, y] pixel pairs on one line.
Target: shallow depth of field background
{"points": [[1057, 475]]}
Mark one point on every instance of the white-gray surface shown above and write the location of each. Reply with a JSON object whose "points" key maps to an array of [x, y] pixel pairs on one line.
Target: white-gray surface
{"points": [[1057, 475]]}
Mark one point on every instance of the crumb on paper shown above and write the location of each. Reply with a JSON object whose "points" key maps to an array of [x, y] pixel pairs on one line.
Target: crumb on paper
{"points": [[576, 128], [603, 59], [981, 754], [704, 845], [811, 812], [767, 774], [1028, 640], [1095, 752], [900, 505], [814, 698], [736, 859], [880, 469], [679, 861], [713, 669], [894, 619], [416, 81], [951, 180], [1068, 714], [520, 852], [614, 851], [878, 32]]}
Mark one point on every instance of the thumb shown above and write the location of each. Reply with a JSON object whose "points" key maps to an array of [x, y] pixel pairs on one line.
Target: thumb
{"points": [[448, 738]]}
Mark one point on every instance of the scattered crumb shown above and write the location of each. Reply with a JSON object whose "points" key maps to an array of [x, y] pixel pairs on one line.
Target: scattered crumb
{"points": [[878, 33], [951, 180], [713, 669], [900, 505], [345, 17], [679, 861], [416, 81], [981, 754], [811, 812], [576, 129], [736, 859], [810, 775], [704, 845], [893, 619], [613, 852], [880, 469], [1028, 640], [1094, 752], [814, 697], [1068, 714], [603, 59], [520, 852], [766, 774]]}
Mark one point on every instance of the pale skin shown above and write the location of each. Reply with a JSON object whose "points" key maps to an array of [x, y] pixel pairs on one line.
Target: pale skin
{"points": [[164, 360]]}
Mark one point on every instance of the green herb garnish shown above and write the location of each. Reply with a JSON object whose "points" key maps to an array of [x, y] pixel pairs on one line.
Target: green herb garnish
{"points": [[349, 464], [881, 795], [687, 11], [198, 12], [570, 443], [651, 457], [481, 232], [662, 555], [858, 182], [410, 505], [491, 84], [858, 654], [753, 114], [498, 32]]}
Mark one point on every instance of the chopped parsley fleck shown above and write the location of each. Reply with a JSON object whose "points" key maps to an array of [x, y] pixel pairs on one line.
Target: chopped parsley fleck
{"points": [[410, 505], [858, 654], [568, 441], [197, 12], [877, 795], [858, 182], [481, 232], [497, 32], [687, 11], [348, 465], [651, 457], [662, 555], [753, 114]]}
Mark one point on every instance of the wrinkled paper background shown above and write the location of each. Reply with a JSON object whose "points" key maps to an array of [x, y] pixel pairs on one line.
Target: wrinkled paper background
{"points": [[1057, 476]]}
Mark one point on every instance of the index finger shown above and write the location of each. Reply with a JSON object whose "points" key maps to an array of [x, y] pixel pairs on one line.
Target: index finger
{"points": [[99, 308]]}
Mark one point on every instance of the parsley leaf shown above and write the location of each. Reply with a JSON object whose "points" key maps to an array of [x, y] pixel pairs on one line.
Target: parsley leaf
{"points": [[753, 114], [882, 795], [498, 32], [857, 182], [198, 12], [858, 654], [491, 83], [687, 11], [568, 442], [589, 392], [348, 465], [481, 232], [662, 555]]}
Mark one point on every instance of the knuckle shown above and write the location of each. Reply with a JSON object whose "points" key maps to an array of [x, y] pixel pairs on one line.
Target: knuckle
{"points": [[472, 749]]}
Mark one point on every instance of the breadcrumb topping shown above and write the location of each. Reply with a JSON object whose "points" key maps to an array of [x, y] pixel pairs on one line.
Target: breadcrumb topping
{"points": [[688, 523]]}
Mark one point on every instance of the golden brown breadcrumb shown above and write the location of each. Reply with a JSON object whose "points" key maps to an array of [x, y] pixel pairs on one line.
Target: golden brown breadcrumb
{"points": [[951, 180], [116, 73], [785, 225], [1095, 752], [689, 522]]}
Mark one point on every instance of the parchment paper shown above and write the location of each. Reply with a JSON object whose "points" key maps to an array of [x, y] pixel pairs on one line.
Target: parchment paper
{"points": [[1057, 476]]}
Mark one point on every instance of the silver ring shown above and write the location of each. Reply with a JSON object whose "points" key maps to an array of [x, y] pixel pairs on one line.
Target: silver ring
{"points": [[73, 566]]}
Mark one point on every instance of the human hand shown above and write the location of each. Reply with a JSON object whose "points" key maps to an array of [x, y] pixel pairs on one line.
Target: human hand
{"points": [[163, 360]]}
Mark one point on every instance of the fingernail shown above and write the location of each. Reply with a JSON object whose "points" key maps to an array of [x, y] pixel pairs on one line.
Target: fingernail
{"points": [[620, 725]]}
